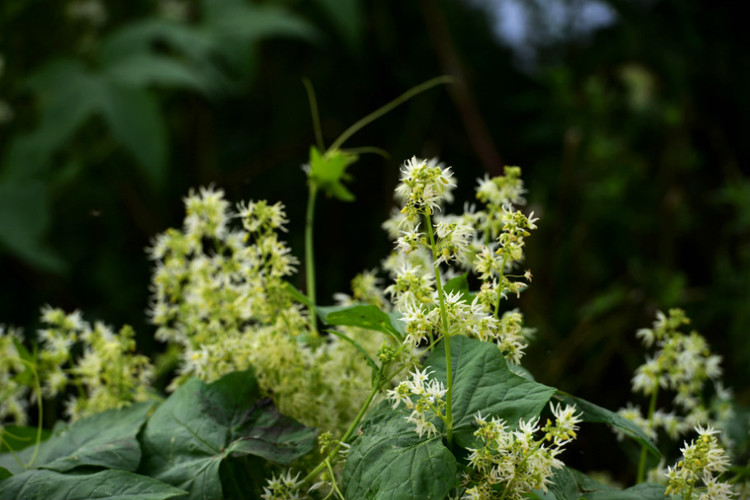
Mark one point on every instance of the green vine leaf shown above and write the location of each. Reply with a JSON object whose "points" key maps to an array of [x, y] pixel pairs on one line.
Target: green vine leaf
{"points": [[107, 439], [389, 460], [482, 382], [597, 414], [111, 484], [200, 425], [329, 169]]}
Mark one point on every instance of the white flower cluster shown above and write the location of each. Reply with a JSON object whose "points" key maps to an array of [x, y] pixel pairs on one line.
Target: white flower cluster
{"points": [[489, 243], [425, 186], [424, 397], [698, 471], [219, 295], [109, 370], [14, 400], [682, 363], [108, 373], [514, 461]]}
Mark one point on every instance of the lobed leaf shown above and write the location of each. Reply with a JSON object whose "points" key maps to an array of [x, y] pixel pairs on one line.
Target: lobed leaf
{"points": [[201, 424], [329, 169]]}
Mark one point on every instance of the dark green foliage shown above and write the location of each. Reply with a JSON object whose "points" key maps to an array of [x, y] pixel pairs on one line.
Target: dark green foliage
{"points": [[200, 425], [183, 443]]}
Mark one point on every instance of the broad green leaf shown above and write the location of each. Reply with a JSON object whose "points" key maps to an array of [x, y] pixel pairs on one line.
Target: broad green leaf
{"points": [[570, 484], [482, 382], [202, 424], [389, 460], [107, 439], [136, 122], [4, 473], [110, 484], [597, 414], [328, 170], [365, 316]]}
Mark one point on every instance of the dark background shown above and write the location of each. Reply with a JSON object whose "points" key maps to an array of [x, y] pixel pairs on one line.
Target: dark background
{"points": [[628, 117]]}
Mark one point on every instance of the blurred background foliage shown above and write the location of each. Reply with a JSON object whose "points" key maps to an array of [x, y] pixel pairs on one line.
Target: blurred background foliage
{"points": [[629, 118]]}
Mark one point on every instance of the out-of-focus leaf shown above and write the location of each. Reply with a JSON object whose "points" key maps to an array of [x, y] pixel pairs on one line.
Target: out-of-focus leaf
{"points": [[4, 473], [248, 22], [135, 121], [24, 217], [68, 95], [139, 37], [109, 484], [145, 69], [347, 17]]}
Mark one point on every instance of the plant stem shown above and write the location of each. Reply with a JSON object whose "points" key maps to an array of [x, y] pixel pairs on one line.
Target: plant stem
{"points": [[348, 434], [314, 113], [389, 107], [446, 337], [642, 461], [309, 257]]}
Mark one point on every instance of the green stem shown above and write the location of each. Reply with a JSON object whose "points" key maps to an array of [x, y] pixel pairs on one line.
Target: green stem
{"points": [[309, 257], [642, 461], [446, 336], [389, 107], [348, 434], [500, 284], [314, 113]]}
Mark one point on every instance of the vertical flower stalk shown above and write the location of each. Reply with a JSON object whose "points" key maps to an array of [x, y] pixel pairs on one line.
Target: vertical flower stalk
{"points": [[424, 187], [309, 255], [445, 332]]}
